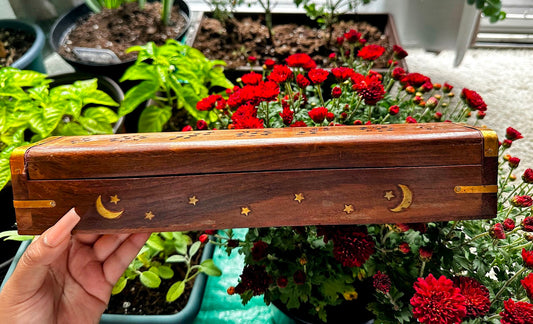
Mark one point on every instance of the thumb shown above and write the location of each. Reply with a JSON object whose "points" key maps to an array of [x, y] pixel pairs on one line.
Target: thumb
{"points": [[33, 266]]}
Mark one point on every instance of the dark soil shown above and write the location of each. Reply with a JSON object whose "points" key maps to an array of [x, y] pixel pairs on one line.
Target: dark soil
{"points": [[14, 43], [119, 29], [137, 299], [249, 37]]}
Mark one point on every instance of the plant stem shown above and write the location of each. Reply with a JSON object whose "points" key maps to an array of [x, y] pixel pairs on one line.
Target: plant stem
{"points": [[507, 283]]}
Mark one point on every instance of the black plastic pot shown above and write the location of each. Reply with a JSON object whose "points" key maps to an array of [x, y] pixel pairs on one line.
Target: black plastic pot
{"points": [[32, 59], [7, 223], [64, 24]]}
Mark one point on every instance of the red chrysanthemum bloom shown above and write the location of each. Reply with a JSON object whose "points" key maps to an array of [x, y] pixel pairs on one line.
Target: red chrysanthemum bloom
{"points": [[299, 277], [414, 79], [426, 87], [252, 59], [497, 232], [340, 41], [352, 246], [516, 312], [369, 88], [437, 115], [481, 114], [527, 224], [342, 73], [352, 36], [298, 60], [280, 74], [252, 78], [203, 238], [201, 125], [318, 114], [527, 283], [477, 297], [332, 56], [371, 52], [522, 201], [410, 120], [211, 102], [508, 224], [336, 92], [269, 64], [404, 247], [473, 100], [253, 278], [398, 73], [302, 81], [299, 123], [527, 177], [187, 128], [446, 88], [245, 117], [425, 253], [210, 232], [394, 110], [381, 282], [527, 257], [512, 134], [282, 282], [287, 115], [437, 301], [267, 91], [398, 52], [259, 250], [513, 162], [317, 76]]}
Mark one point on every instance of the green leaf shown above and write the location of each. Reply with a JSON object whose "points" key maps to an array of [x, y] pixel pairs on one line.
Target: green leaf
{"points": [[150, 279], [155, 242], [119, 286], [176, 258], [137, 95], [101, 114], [209, 268], [153, 119], [165, 272], [194, 248], [175, 291], [94, 126], [71, 129]]}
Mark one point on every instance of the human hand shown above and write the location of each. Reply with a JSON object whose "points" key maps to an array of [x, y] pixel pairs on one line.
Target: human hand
{"points": [[64, 278]]}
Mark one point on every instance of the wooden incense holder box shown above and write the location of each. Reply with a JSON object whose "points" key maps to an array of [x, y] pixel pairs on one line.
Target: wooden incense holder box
{"points": [[255, 178]]}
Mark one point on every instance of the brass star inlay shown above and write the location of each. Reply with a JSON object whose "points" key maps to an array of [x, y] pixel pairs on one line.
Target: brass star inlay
{"points": [[114, 199], [245, 211], [389, 195], [149, 215], [299, 197], [348, 209], [193, 200]]}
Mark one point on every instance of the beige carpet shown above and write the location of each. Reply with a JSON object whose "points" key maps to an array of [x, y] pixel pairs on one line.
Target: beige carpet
{"points": [[503, 78]]}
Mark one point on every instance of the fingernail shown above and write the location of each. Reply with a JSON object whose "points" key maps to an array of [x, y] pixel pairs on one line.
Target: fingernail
{"points": [[56, 234]]}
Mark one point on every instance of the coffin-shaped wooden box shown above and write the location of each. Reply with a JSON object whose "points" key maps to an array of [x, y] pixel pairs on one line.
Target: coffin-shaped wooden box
{"points": [[255, 178]]}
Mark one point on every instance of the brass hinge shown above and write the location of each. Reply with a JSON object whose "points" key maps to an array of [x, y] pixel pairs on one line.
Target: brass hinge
{"points": [[34, 203], [476, 189]]}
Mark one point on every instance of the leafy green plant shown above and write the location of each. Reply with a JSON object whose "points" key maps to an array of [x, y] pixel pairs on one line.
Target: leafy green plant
{"points": [[327, 13], [174, 77], [154, 263], [223, 10], [31, 110], [490, 8], [98, 5]]}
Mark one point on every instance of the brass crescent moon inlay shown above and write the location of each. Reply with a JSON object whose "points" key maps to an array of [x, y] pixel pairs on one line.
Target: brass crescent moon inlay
{"points": [[407, 199], [105, 213]]}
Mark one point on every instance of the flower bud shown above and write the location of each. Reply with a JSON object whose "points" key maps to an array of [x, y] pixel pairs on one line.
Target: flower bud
{"points": [[425, 253], [187, 128], [437, 86], [513, 134], [358, 122], [201, 125], [252, 59], [447, 87], [336, 92], [514, 162], [394, 110], [203, 238], [432, 102], [497, 232], [231, 290], [522, 201], [506, 157], [340, 41], [437, 116], [507, 143], [527, 224], [303, 261], [444, 104], [330, 117], [527, 177], [410, 89], [410, 120], [512, 177], [481, 114], [528, 236], [404, 248], [332, 56], [451, 95], [282, 282], [417, 99], [438, 96], [508, 224]]}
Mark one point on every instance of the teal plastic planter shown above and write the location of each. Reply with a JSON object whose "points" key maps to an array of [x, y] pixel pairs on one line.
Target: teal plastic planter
{"points": [[32, 59], [185, 316]]}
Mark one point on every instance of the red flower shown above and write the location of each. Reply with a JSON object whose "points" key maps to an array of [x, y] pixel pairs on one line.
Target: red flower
{"points": [[259, 250], [369, 88], [481, 114], [267, 91], [414, 79], [508, 224], [527, 283], [210, 232], [527, 224], [425, 253], [497, 231], [336, 92], [203, 238], [201, 125], [447, 87], [332, 56], [282, 282], [299, 277], [318, 76], [252, 59], [287, 115], [300, 60], [342, 73], [398, 73], [352, 246], [527, 177], [404, 247], [513, 162], [187, 128], [437, 301], [516, 312], [522, 201], [252, 78], [302, 81], [473, 100], [253, 278], [527, 257], [280, 74], [340, 41], [299, 124], [330, 116], [352, 36], [381, 282], [371, 52], [398, 52], [410, 120], [394, 110], [477, 297], [437, 115], [512, 134], [246, 117], [269, 63], [211, 102], [318, 114]]}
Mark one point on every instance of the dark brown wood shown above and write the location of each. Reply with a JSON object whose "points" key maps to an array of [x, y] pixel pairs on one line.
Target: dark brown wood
{"points": [[256, 178]]}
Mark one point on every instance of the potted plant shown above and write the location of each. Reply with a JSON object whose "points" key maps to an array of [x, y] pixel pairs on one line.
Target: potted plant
{"points": [[172, 77], [119, 25], [21, 45]]}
